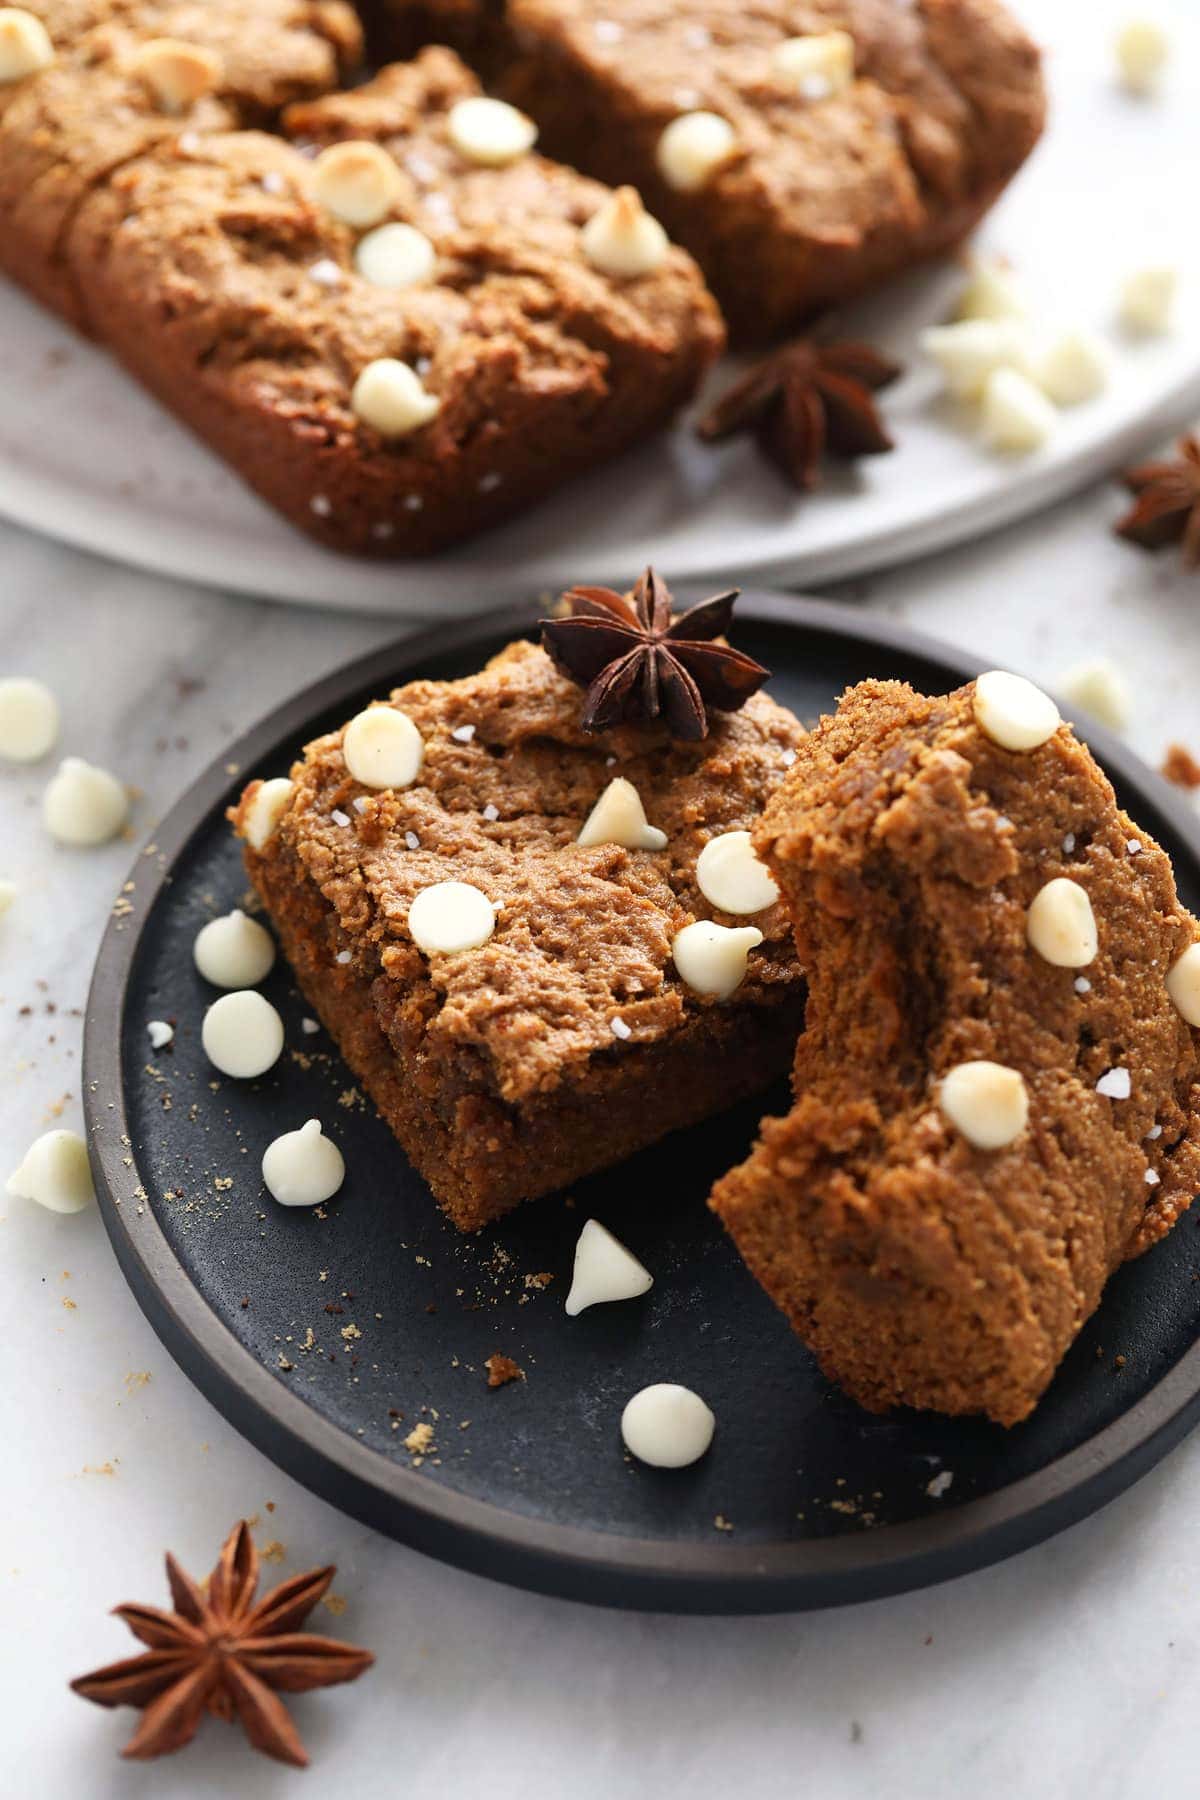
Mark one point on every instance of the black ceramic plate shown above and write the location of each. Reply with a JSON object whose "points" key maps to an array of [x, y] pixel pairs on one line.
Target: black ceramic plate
{"points": [[325, 1339]]}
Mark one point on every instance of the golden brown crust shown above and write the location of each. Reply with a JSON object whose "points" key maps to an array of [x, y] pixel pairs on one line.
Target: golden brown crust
{"points": [[908, 847]]}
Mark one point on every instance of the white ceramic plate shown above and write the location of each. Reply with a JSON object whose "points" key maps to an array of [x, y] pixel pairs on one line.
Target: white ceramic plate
{"points": [[86, 456]]}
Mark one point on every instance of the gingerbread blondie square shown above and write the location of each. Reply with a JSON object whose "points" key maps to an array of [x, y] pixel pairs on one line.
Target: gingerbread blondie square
{"points": [[565, 1038], [997, 1093]]}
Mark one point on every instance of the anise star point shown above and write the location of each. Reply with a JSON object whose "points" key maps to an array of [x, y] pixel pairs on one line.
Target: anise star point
{"points": [[639, 662], [221, 1652], [1166, 506], [807, 400]]}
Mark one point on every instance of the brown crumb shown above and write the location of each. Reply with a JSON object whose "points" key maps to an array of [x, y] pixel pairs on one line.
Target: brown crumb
{"points": [[419, 1438], [334, 1603], [273, 1552], [1181, 767], [502, 1369], [722, 1523]]}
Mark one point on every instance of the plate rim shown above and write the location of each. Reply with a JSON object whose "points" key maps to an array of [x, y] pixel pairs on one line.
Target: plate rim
{"points": [[565, 1561]]}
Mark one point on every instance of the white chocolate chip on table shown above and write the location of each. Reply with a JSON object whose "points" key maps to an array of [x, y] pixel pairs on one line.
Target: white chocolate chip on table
{"points": [[382, 748], [177, 73], [54, 1172], [1016, 415], [261, 815], [730, 876], [449, 917], [242, 1034], [357, 182], [29, 719], [619, 817], [234, 951], [1012, 712], [693, 148], [1098, 686], [1147, 301], [622, 240], [395, 256], [987, 1103], [667, 1426], [390, 396], [604, 1271], [1142, 49], [1183, 985], [84, 806], [303, 1168], [817, 65], [711, 959], [488, 132], [1061, 925], [25, 45]]}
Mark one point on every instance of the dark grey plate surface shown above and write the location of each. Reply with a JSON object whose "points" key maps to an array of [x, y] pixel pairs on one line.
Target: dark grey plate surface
{"points": [[325, 1339]]}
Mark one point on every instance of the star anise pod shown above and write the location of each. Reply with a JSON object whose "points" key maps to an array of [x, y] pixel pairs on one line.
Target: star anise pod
{"points": [[807, 400], [638, 661], [1166, 509], [219, 1652]]}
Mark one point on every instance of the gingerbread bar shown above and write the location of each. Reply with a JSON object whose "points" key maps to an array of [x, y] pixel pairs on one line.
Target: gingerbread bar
{"points": [[996, 1088]]}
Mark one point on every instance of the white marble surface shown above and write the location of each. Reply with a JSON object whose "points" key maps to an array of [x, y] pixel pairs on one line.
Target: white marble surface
{"points": [[1069, 1671]]}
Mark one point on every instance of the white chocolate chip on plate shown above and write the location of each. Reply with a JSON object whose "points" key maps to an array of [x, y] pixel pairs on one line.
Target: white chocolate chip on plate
{"points": [[160, 1032], [1061, 925], [390, 396], [730, 876], [987, 1103], [817, 65], [667, 1426], [382, 748], [395, 256], [619, 817], [604, 1270], [1099, 687], [970, 352], [1017, 416], [25, 45], [1147, 301], [54, 1172], [29, 719], [489, 132], [261, 815], [1073, 368], [8, 893], [1142, 49], [1183, 985], [449, 917], [992, 292], [303, 1168], [177, 73], [242, 1034], [622, 240], [234, 951], [711, 959], [84, 806], [692, 148], [1013, 712], [357, 182]]}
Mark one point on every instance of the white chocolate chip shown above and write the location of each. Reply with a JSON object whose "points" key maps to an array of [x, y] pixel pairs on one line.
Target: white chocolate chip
{"points": [[1099, 687], [54, 1172], [234, 951], [29, 719], [618, 817], [1013, 712], [1017, 416], [450, 916], [817, 65], [177, 74], [261, 816], [986, 1102], [395, 256], [970, 352], [391, 397], [489, 132], [8, 893], [992, 292], [730, 876], [303, 1168], [382, 748], [1115, 1084], [604, 1270], [83, 805], [1183, 985], [1141, 48], [1147, 302], [25, 45], [667, 1426], [622, 240], [1061, 925], [692, 149], [711, 959], [357, 182], [160, 1033], [242, 1034], [1073, 368]]}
